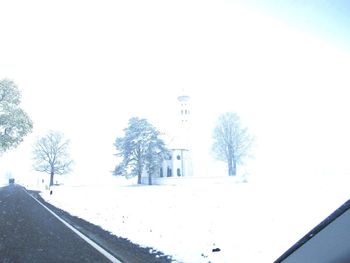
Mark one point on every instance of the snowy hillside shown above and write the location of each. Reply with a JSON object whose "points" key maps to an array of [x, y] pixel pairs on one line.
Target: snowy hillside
{"points": [[246, 221]]}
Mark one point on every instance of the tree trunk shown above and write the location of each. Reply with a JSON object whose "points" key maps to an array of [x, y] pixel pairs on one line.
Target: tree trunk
{"points": [[51, 177], [139, 178], [231, 167], [234, 168], [150, 178]]}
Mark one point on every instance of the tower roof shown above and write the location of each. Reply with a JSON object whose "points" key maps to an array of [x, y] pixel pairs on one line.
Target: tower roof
{"points": [[183, 98]]}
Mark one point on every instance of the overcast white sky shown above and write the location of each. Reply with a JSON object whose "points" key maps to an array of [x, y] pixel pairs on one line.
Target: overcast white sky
{"points": [[86, 67]]}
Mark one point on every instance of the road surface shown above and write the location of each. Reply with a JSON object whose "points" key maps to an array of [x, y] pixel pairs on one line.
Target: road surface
{"points": [[30, 233]]}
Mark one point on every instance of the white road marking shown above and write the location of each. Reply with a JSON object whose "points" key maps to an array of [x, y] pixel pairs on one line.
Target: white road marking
{"points": [[81, 235]]}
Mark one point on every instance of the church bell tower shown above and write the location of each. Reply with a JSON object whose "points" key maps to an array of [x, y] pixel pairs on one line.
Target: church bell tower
{"points": [[184, 111]]}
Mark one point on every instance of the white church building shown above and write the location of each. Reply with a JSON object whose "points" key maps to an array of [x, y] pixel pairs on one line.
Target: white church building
{"points": [[179, 163]]}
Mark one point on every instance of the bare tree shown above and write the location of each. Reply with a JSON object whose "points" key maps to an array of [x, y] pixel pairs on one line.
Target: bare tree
{"points": [[231, 142], [51, 155]]}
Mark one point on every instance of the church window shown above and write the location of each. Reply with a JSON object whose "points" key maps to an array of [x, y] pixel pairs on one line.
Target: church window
{"points": [[178, 172], [169, 172], [182, 112], [178, 157], [161, 172]]}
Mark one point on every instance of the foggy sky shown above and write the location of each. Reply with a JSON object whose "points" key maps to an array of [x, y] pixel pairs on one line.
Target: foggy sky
{"points": [[84, 68]]}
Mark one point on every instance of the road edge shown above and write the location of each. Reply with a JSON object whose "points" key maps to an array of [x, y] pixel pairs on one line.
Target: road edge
{"points": [[92, 243]]}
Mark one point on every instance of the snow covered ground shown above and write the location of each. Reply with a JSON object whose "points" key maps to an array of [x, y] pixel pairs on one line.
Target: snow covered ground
{"points": [[248, 222]]}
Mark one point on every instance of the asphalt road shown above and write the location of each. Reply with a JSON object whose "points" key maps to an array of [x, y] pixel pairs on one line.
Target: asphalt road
{"points": [[30, 233]]}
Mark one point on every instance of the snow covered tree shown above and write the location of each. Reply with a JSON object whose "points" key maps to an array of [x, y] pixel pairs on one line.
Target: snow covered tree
{"points": [[231, 142], [14, 122], [155, 154], [51, 155], [141, 150]]}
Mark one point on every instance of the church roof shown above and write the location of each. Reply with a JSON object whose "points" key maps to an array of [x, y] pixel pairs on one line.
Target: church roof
{"points": [[175, 142]]}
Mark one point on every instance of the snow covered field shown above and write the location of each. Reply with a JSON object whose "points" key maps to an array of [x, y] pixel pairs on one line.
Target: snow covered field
{"points": [[249, 222]]}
